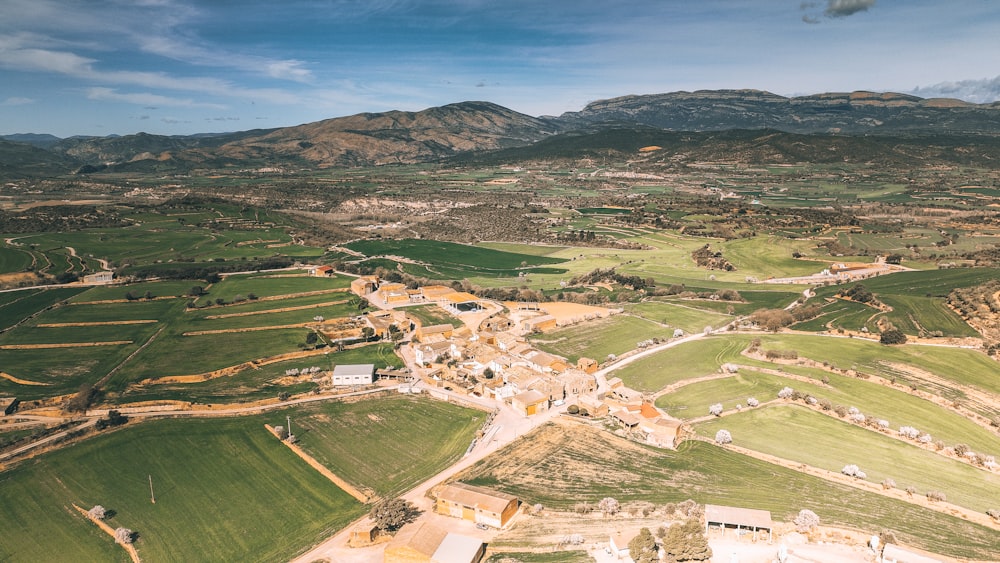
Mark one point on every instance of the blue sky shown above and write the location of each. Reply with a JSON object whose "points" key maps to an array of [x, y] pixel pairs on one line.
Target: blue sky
{"points": [[97, 67]]}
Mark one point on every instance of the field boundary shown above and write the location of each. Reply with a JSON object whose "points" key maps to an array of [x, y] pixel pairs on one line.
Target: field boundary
{"points": [[97, 323], [281, 310], [324, 471], [129, 548], [63, 345], [19, 381]]}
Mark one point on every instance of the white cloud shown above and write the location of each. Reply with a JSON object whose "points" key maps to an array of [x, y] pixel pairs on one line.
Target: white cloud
{"points": [[980, 91], [146, 99], [17, 101]]}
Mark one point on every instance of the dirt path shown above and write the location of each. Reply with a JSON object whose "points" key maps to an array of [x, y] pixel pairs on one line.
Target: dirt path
{"points": [[63, 345], [129, 548], [342, 484], [246, 329], [97, 323], [10, 377]]}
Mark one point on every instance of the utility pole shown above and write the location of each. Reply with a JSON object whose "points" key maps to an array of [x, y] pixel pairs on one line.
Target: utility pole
{"points": [[152, 497], [289, 421]]}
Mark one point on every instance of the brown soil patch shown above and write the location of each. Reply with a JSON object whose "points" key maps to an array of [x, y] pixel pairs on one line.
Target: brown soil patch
{"points": [[16, 278]]}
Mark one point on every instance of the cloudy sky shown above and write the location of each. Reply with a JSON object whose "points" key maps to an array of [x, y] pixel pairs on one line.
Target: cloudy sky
{"points": [[97, 67]]}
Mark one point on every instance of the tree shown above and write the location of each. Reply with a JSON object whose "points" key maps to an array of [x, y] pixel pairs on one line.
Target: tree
{"points": [[806, 521], [892, 336], [772, 319], [312, 339], [609, 506], [715, 409], [124, 536], [488, 373], [367, 333], [686, 542], [642, 548], [98, 512], [723, 437], [392, 514], [894, 259], [196, 290]]}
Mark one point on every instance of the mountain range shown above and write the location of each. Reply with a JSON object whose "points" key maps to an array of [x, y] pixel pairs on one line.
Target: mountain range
{"points": [[439, 133]]}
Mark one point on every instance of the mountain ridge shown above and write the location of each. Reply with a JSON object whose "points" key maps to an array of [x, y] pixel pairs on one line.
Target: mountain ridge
{"points": [[443, 132]]}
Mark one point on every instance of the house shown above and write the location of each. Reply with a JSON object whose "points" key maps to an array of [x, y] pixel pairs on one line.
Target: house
{"points": [[392, 293], [530, 402], [434, 352], [99, 277], [353, 374], [424, 542], [577, 382], [627, 419], [618, 543], [539, 324], [731, 517], [321, 271], [434, 332], [476, 504], [436, 293], [592, 406], [588, 365], [364, 285]]}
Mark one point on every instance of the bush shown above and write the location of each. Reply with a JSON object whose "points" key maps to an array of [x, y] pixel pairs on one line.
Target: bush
{"points": [[892, 336], [994, 513], [852, 470], [752, 402], [888, 483], [723, 437], [936, 496], [573, 409], [715, 409], [609, 506], [124, 536], [785, 393], [98, 512], [909, 432]]}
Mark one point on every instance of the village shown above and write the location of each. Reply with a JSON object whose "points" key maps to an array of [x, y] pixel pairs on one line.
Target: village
{"points": [[484, 360]]}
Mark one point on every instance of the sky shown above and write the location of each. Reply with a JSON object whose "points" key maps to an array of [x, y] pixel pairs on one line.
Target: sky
{"points": [[177, 67]]}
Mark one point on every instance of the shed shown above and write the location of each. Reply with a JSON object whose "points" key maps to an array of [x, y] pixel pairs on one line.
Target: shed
{"points": [[731, 517], [353, 374], [476, 504], [457, 548]]}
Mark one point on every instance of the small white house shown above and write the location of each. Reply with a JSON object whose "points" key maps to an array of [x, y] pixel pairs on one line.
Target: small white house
{"points": [[353, 374]]}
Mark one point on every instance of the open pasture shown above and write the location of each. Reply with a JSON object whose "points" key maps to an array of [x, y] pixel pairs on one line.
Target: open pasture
{"points": [[168, 288], [678, 314], [225, 489], [59, 371], [697, 358], [272, 285], [598, 338], [276, 316], [159, 309], [387, 445], [14, 260], [897, 406], [18, 305], [561, 465], [798, 434]]}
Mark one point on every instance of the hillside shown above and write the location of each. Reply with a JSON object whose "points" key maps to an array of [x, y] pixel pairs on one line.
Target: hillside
{"points": [[858, 125]]}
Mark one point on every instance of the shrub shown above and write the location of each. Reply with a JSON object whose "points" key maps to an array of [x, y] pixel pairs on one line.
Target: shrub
{"points": [[994, 513], [841, 410], [573, 409], [609, 506], [715, 409], [752, 402], [909, 432], [806, 521], [785, 393], [925, 439], [888, 483], [911, 490], [723, 437], [936, 496], [892, 336], [852, 470]]}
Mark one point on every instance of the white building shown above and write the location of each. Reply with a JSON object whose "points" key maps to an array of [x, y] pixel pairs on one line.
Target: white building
{"points": [[353, 374]]}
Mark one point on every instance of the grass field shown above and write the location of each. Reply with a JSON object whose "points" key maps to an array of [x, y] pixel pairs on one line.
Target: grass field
{"points": [[265, 286], [692, 359], [896, 406], [560, 466], [455, 258], [430, 315], [596, 339], [529, 557], [31, 302], [13, 260], [674, 314], [226, 490], [388, 445], [798, 434]]}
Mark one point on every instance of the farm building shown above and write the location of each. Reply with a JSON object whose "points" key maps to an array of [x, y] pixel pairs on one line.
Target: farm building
{"points": [[390, 293], [618, 543], [592, 406], [421, 542], [353, 374], [99, 277], [364, 285], [476, 504], [731, 517], [434, 332], [530, 402], [539, 324], [321, 271], [589, 365]]}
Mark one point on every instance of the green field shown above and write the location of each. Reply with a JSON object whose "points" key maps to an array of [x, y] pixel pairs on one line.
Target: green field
{"points": [[29, 302], [572, 465], [226, 490], [13, 260], [407, 439], [460, 259], [596, 339], [897, 407], [692, 359], [677, 314], [798, 434], [430, 315]]}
